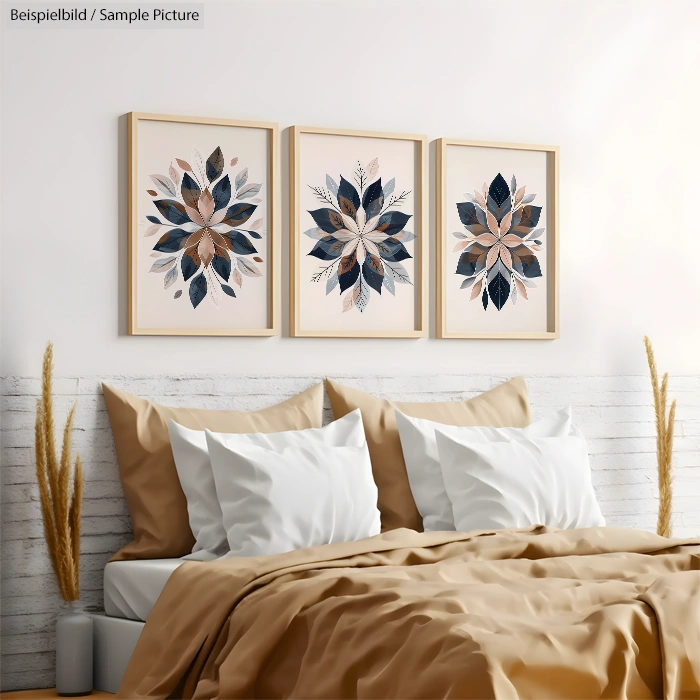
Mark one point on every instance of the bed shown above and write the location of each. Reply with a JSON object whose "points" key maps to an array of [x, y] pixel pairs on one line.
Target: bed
{"points": [[539, 612], [316, 579], [131, 589]]}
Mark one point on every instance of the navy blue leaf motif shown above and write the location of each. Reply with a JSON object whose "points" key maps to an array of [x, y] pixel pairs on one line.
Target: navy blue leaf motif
{"points": [[239, 213], [221, 193], [485, 298], [392, 250], [228, 290], [498, 190], [499, 290], [154, 219], [240, 243], [215, 165], [172, 241], [348, 271], [222, 265], [373, 272], [173, 211], [328, 220], [527, 218], [392, 222], [373, 199], [198, 290], [348, 199], [470, 215], [472, 261], [190, 191], [190, 263], [328, 248]]}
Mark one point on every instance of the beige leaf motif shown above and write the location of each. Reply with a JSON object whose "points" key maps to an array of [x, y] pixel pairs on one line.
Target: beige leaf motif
{"points": [[461, 246], [492, 256], [206, 205], [493, 224], [519, 197], [236, 275], [174, 176], [151, 230], [486, 239], [184, 165], [521, 288], [480, 199], [194, 216], [511, 240], [504, 226], [348, 302], [256, 225], [234, 161], [218, 216], [505, 256], [373, 167], [205, 249], [371, 248], [476, 289]]}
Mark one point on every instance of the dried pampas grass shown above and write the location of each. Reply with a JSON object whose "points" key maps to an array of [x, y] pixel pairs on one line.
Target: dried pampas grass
{"points": [[664, 442], [60, 488]]}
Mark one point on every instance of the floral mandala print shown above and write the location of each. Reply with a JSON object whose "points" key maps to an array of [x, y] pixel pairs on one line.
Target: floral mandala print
{"points": [[500, 243], [205, 241], [362, 235]]}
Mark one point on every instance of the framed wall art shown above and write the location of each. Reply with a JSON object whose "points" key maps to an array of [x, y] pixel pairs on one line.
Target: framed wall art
{"points": [[359, 237], [497, 235], [203, 249]]}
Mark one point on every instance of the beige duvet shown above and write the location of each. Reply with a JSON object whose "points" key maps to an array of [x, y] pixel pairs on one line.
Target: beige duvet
{"points": [[537, 613]]}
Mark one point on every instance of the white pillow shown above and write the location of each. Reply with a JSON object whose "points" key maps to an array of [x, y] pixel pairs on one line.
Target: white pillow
{"points": [[284, 491], [420, 453], [197, 480], [527, 481]]}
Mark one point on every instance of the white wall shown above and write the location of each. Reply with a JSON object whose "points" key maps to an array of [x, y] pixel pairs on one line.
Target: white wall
{"points": [[613, 83]]}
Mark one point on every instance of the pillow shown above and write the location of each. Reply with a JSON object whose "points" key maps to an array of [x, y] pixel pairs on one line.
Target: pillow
{"points": [[523, 482], [153, 493], [297, 489], [420, 453], [194, 471], [505, 405]]}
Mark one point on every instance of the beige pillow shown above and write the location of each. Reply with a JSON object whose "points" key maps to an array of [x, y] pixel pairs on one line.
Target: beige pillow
{"points": [[154, 497], [504, 406]]}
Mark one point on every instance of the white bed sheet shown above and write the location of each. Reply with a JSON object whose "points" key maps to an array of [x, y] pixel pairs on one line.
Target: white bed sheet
{"points": [[131, 588]]}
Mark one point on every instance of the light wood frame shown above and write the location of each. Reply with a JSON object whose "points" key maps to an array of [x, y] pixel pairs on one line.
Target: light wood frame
{"points": [[552, 249], [274, 249], [421, 241]]}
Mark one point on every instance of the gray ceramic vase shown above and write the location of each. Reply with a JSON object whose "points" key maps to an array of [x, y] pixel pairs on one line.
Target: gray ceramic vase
{"points": [[74, 652]]}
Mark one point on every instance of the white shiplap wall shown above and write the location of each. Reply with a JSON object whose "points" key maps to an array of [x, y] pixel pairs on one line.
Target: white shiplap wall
{"points": [[614, 413]]}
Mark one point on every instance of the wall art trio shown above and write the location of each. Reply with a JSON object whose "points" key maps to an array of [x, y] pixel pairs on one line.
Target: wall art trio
{"points": [[204, 240]]}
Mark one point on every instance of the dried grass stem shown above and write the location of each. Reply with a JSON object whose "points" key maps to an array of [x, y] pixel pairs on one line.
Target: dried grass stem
{"points": [[665, 419], [60, 488]]}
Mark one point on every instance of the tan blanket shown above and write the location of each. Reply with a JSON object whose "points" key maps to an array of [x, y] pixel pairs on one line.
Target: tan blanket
{"points": [[536, 613]]}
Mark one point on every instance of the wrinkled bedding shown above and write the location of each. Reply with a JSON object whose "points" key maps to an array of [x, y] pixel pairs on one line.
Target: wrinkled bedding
{"points": [[534, 613]]}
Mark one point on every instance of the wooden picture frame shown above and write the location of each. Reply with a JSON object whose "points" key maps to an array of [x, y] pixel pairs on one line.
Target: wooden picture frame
{"points": [[386, 152], [152, 134], [452, 324]]}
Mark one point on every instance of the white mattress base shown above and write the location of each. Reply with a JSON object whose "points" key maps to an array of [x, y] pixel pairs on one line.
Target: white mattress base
{"points": [[131, 588], [114, 641]]}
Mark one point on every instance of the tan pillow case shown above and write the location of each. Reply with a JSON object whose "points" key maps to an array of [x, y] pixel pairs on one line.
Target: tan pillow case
{"points": [[504, 406], [154, 497]]}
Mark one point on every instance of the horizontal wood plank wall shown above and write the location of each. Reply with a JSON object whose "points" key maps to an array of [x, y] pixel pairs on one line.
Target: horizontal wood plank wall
{"points": [[614, 413]]}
